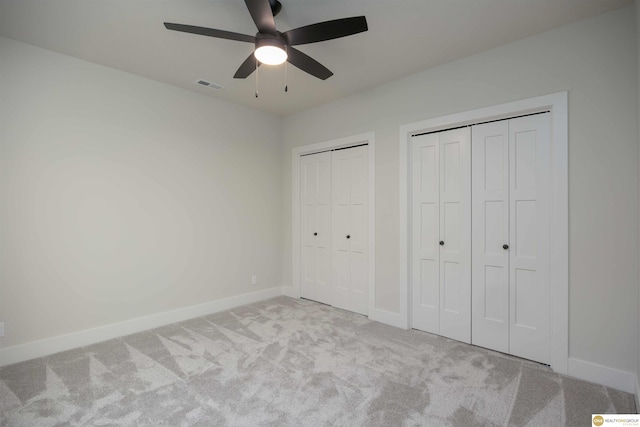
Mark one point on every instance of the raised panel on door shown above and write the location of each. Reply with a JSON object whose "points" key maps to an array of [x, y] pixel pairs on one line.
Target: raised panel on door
{"points": [[359, 298], [490, 231], [308, 188], [530, 187], [425, 233], [341, 274], [350, 229], [455, 232], [315, 213], [358, 230], [309, 270]]}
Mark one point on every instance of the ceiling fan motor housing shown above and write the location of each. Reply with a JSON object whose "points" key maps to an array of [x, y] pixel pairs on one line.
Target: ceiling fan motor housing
{"points": [[276, 40]]}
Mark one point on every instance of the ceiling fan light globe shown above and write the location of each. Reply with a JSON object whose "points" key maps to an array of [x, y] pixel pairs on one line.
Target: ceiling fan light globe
{"points": [[270, 55]]}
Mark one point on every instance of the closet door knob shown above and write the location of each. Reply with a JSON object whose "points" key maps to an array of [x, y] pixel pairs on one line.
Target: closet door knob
{"points": [[441, 243], [505, 247], [348, 236], [315, 234]]}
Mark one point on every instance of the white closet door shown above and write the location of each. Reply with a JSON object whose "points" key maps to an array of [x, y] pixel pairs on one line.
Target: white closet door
{"points": [[441, 234], [490, 225], [455, 233], [425, 233], [350, 225], [530, 228], [316, 227], [511, 236]]}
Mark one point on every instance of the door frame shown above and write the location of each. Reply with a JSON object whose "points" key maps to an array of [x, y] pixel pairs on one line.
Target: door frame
{"points": [[557, 105], [349, 141]]}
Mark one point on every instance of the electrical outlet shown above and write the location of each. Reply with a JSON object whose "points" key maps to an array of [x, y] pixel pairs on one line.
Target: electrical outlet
{"points": [[254, 280], [1, 329]]}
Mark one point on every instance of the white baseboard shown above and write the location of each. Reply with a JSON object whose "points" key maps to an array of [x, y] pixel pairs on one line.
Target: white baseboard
{"points": [[378, 315], [610, 377], [389, 318], [32, 350], [289, 291]]}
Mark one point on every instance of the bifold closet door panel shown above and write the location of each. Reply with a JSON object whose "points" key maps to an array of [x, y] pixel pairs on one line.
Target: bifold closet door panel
{"points": [[350, 229], [530, 228], [490, 232], [511, 236], [455, 233], [441, 233], [315, 217], [425, 233]]}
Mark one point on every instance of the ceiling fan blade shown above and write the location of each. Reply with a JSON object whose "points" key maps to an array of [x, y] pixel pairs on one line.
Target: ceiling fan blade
{"points": [[211, 32], [327, 30], [308, 64], [262, 15], [247, 67]]}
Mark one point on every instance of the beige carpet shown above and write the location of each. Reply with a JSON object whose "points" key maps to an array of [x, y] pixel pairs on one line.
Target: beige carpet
{"points": [[286, 362]]}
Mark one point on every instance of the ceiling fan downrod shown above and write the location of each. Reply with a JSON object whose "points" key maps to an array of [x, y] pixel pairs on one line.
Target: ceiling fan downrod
{"points": [[276, 7]]}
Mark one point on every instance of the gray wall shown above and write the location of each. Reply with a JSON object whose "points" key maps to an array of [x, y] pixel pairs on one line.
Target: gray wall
{"points": [[637, 15], [595, 60], [123, 197]]}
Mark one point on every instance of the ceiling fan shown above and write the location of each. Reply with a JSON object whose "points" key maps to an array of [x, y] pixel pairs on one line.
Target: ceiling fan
{"points": [[273, 47]]}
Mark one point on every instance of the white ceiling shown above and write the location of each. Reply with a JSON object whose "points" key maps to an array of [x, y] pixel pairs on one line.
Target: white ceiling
{"points": [[404, 37]]}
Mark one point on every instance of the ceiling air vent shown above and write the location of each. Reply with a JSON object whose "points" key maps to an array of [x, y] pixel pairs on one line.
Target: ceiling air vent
{"points": [[210, 85]]}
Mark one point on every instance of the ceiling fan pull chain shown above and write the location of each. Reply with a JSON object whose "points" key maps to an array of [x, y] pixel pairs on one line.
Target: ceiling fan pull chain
{"points": [[286, 87], [257, 77]]}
